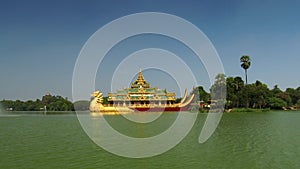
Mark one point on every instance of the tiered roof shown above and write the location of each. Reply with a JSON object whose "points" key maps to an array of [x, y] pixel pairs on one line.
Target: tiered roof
{"points": [[140, 82], [141, 91]]}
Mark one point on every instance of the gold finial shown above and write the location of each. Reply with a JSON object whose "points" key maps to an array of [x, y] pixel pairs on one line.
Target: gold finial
{"points": [[140, 78], [140, 81]]}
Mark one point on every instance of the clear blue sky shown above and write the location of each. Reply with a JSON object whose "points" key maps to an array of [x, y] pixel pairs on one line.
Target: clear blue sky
{"points": [[40, 40]]}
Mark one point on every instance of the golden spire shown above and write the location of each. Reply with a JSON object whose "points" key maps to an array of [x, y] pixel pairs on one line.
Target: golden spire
{"points": [[140, 81]]}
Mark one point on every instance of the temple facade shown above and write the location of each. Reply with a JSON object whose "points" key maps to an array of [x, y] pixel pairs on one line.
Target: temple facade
{"points": [[141, 94]]}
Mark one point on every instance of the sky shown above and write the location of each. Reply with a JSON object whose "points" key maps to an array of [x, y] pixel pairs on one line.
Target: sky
{"points": [[41, 40]]}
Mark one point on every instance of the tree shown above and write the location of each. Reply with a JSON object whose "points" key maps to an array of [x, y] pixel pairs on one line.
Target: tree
{"points": [[276, 103], [53, 103], [276, 90], [235, 90], [258, 93], [285, 97], [245, 64], [201, 94], [218, 89], [231, 95], [47, 99], [294, 94], [57, 103]]}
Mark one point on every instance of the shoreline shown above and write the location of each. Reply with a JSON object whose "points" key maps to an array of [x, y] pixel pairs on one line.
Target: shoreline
{"points": [[234, 110]]}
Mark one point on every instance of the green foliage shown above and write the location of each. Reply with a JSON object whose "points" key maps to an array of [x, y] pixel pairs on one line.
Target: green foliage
{"points": [[294, 95], [238, 96], [235, 88], [53, 103], [105, 100], [276, 103], [57, 103], [200, 94], [285, 97], [275, 90], [298, 103], [245, 64], [177, 100], [256, 95]]}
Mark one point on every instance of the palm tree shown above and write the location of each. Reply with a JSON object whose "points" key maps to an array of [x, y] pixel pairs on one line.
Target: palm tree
{"points": [[246, 62]]}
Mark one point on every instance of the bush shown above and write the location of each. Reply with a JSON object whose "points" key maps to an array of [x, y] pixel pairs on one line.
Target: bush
{"points": [[276, 103]]}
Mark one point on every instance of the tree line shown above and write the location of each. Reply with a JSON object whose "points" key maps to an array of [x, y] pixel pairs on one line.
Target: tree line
{"points": [[48, 102], [238, 95], [232, 91], [241, 95]]}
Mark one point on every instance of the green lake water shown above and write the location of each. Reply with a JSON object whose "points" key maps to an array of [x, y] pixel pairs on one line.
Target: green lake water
{"points": [[242, 140]]}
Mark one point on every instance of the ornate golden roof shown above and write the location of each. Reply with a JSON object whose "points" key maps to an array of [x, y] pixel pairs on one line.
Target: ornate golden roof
{"points": [[140, 82], [141, 91]]}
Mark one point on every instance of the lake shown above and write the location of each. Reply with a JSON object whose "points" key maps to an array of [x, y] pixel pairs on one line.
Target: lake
{"points": [[242, 140]]}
